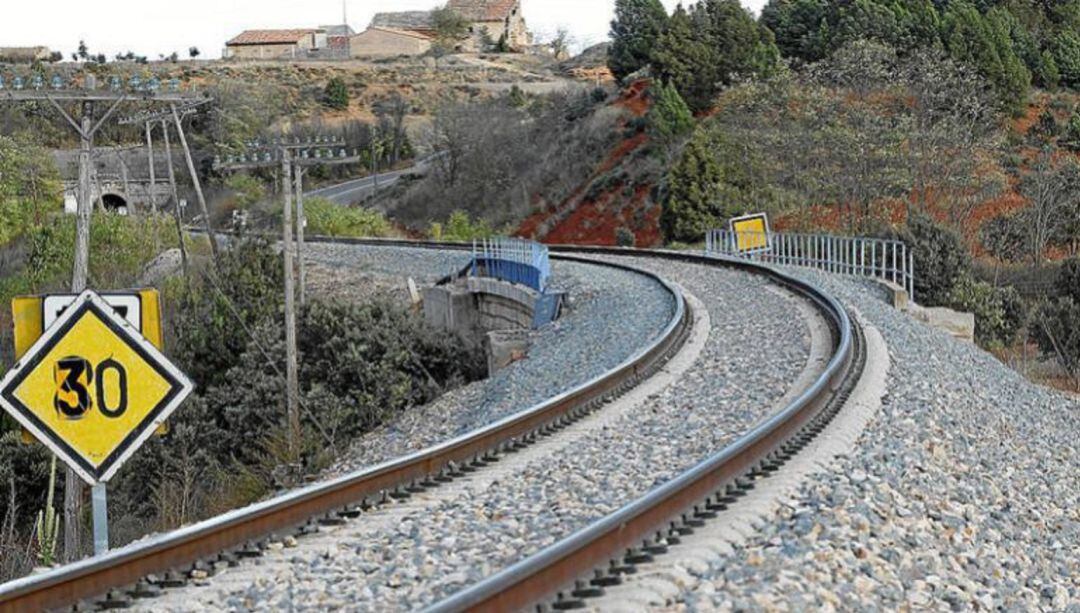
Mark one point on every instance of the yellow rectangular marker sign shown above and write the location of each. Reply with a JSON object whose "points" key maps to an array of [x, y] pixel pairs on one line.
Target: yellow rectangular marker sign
{"points": [[33, 314], [751, 233], [92, 389]]}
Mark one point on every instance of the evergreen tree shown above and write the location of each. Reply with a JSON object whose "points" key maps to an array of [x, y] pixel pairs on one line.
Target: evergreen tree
{"points": [[984, 42], [694, 185], [1065, 48], [704, 50], [637, 27], [1071, 138], [669, 118]]}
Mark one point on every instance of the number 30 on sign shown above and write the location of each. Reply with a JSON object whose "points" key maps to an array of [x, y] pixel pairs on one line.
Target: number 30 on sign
{"points": [[92, 389]]}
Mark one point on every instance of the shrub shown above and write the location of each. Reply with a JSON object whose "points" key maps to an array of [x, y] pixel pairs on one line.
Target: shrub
{"points": [[1067, 283], [669, 118], [459, 227], [248, 190], [327, 218], [336, 95], [941, 259], [624, 237], [1000, 313], [1056, 328], [1070, 139], [210, 315]]}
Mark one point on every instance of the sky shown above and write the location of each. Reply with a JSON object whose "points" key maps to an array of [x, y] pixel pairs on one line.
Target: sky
{"points": [[154, 27]]}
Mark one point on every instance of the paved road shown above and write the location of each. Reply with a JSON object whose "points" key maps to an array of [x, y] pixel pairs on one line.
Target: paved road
{"points": [[351, 192]]}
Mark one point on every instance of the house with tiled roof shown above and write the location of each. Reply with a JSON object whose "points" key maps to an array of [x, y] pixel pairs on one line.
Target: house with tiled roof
{"points": [[275, 44]]}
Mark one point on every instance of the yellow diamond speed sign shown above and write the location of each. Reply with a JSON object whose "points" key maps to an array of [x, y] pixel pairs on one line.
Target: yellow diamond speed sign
{"points": [[92, 389]]}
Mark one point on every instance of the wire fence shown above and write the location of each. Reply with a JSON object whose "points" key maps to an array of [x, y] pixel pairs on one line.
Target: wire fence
{"points": [[513, 260], [887, 260]]}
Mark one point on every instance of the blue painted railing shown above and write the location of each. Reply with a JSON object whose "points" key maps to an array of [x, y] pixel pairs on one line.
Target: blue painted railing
{"points": [[512, 260]]}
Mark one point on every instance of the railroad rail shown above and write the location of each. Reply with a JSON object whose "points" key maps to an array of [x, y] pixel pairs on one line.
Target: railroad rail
{"points": [[351, 493], [560, 572]]}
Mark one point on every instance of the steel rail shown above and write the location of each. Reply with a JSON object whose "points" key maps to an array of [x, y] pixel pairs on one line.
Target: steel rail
{"points": [[554, 570], [93, 577]]}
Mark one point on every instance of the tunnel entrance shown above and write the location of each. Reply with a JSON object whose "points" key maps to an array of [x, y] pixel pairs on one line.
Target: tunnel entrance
{"points": [[115, 204]]}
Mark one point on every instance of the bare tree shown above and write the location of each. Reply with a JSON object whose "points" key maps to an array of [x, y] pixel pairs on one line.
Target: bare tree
{"points": [[1052, 191]]}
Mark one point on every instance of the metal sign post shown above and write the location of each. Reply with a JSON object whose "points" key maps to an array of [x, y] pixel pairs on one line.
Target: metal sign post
{"points": [[101, 518]]}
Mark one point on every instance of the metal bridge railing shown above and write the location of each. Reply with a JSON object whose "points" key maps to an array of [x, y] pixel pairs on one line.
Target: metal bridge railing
{"points": [[513, 260], [888, 260]]}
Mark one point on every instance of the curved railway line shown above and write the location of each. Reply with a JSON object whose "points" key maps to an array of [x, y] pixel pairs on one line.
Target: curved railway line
{"points": [[568, 571]]}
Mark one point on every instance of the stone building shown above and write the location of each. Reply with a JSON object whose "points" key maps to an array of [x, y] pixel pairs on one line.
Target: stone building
{"points": [[24, 55], [496, 18], [392, 34], [276, 44], [412, 32]]}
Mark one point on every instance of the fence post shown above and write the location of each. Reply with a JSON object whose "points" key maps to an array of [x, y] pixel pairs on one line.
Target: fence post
{"points": [[911, 274]]}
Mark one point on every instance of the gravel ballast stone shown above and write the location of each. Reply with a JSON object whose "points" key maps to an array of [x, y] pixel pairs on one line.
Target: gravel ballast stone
{"points": [[755, 349], [963, 494], [611, 315]]}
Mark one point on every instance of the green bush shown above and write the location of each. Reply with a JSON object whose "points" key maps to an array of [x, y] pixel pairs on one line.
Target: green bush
{"points": [[336, 95], [29, 187], [248, 191], [1055, 326], [669, 118], [326, 218], [1067, 283], [209, 316], [624, 237], [459, 227], [1070, 139], [941, 259], [1000, 313]]}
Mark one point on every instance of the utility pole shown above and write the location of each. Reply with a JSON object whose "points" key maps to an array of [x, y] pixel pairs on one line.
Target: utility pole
{"points": [[86, 94], [281, 155], [152, 192], [176, 197], [198, 184], [73, 485], [301, 223], [292, 369]]}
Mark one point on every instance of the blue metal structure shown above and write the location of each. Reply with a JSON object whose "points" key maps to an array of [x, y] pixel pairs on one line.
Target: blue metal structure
{"points": [[512, 260]]}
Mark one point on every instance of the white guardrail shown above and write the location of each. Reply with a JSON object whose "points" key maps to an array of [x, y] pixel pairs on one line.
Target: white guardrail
{"points": [[887, 260]]}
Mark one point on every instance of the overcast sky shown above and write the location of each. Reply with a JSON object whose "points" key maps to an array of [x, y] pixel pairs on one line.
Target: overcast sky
{"points": [[152, 27]]}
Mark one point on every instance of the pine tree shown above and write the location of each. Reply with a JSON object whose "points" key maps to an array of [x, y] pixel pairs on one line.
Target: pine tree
{"points": [[703, 50], [337, 94], [985, 43], [669, 118], [637, 27], [694, 186]]}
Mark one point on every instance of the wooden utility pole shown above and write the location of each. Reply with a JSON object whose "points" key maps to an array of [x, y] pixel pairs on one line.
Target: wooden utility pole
{"points": [[152, 190], [87, 93], [301, 222], [195, 181], [73, 484], [292, 375], [291, 171], [175, 196]]}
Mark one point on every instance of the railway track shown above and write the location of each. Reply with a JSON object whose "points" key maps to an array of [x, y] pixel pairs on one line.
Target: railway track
{"points": [[563, 572]]}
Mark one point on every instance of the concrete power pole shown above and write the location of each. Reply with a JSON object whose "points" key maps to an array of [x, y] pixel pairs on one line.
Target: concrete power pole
{"points": [[292, 375]]}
